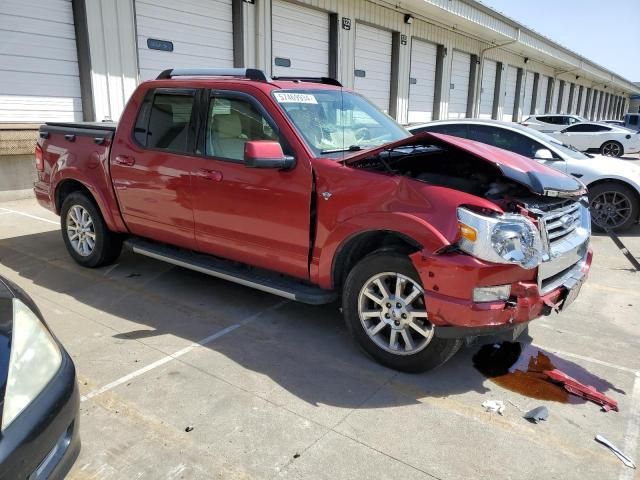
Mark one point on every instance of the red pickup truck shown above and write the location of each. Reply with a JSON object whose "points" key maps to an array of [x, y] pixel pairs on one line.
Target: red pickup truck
{"points": [[304, 189]]}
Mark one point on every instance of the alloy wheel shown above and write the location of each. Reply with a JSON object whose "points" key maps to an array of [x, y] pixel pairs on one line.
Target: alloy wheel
{"points": [[393, 313], [611, 149], [80, 230], [610, 209]]}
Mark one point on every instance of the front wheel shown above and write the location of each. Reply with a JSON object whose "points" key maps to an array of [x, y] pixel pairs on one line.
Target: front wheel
{"points": [[613, 206], [611, 149], [384, 309], [85, 233]]}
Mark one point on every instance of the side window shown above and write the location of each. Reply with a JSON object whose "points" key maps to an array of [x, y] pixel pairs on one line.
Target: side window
{"points": [[170, 126], [573, 120], [633, 119], [547, 119], [506, 139], [453, 129], [140, 128], [579, 128], [231, 123]]}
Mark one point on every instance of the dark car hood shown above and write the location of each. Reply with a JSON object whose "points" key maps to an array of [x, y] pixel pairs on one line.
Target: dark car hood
{"points": [[539, 178]]}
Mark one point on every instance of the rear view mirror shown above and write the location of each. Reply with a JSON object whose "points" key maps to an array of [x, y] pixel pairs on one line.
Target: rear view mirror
{"points": [[266, 154], [543, 154]]}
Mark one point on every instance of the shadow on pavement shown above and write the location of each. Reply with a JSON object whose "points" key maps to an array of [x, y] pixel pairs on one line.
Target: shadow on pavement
{"points": [[304, 349]]}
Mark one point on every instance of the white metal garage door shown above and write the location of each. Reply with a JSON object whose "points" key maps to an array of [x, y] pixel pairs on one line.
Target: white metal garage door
{"points": [[39, 61], [422, 81], [554, 99], [574, 100], [528, 93], [300, 40], [373, 64], [510, 93], [543, 86], [200, 32], [487, 88], [459, 88], [565, 98]]}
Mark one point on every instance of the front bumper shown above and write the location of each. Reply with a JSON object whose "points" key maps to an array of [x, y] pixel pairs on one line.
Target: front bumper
{"points": [[449, 280], [43, 442]]}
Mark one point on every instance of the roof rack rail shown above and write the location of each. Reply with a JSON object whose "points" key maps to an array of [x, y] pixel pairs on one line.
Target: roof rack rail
{"points": [[250, 73], [325, 80]]}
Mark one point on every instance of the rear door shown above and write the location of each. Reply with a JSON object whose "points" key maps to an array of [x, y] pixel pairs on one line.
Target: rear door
{"points": [[373, 65], [300, 40], [251, 215], [151, 164], [422, 81], [459, 85]]}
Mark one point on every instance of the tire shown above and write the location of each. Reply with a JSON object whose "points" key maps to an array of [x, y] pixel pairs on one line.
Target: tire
{"points": [[428, 353], [94, 246], [604, 198], [612, 149]]}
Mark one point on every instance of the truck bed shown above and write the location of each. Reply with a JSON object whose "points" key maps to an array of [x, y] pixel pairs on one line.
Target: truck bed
{"points": [[100, 131], [111, 126]]}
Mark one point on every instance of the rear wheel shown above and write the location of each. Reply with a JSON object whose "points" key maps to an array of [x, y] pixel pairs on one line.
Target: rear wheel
{"points": [[612, 149], [613, 206], [384, 308], [85, 234]]}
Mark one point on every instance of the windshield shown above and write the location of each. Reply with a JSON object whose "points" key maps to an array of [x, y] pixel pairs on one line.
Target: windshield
{"points": [[566, 150], [333, 121]]}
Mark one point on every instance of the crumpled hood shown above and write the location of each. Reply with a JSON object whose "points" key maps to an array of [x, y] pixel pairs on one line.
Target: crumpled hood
{"points": [[538, 178]]}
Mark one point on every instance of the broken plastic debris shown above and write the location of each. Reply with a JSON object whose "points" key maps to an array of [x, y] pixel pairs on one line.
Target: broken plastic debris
{"points": [[574, 387], [626, 460], [537, 414], [188, 429], [494, 406]]}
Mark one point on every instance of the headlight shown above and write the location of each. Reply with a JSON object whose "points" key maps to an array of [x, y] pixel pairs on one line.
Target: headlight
{"points": [[35, 358], [506, 238]]}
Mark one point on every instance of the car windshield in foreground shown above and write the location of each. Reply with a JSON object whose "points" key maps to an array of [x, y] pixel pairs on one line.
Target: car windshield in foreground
{"points": [[335, 122], [567, 150]]}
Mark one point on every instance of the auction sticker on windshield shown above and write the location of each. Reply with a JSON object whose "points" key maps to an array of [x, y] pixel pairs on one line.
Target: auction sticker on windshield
{"points": [[290, 97]]}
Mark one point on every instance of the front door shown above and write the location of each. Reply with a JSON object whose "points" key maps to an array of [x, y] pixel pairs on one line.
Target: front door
{"points": [[151, 168], [255, 216]]}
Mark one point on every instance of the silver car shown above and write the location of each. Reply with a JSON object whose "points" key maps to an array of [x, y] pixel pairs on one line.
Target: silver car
{"points": [[551, 122]]}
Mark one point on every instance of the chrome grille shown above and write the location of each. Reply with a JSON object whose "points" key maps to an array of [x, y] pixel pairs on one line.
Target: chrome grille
{"points": [[560, 224]]}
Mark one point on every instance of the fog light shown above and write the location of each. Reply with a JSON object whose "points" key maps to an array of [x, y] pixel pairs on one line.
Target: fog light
{"points": [[491, 294]]}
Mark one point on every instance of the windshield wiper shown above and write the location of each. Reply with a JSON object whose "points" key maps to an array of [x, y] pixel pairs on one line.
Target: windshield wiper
{"points": [[352, 148]]}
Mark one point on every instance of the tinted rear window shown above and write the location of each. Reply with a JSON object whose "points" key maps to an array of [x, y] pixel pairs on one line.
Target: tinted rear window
{"points": [[170, 122]]}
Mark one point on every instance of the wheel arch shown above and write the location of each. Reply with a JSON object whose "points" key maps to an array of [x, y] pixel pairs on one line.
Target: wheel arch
{"points": [[361, 244], [67, 187], [635, 189]]}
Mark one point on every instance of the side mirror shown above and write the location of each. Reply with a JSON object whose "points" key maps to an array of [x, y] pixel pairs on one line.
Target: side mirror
{"points": [[543, 154], [266, 154]]}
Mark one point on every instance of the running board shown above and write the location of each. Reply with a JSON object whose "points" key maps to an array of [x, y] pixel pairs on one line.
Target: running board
{"points": [[260, 279]]}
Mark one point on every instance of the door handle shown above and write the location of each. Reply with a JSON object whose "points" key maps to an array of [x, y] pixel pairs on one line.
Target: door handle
{"points": [[125, 160], [209, 174]]}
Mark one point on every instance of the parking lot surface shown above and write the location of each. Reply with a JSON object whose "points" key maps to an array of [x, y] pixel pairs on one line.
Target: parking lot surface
{"points": [[273, 389]]}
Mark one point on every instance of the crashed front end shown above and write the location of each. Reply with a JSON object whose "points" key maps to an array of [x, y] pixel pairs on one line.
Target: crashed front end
{"points": [[471, 296]]}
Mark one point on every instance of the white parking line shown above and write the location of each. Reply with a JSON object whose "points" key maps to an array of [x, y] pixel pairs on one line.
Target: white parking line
{"points": [[179, 353], [8, 210], [588, 359], [632, 432]]}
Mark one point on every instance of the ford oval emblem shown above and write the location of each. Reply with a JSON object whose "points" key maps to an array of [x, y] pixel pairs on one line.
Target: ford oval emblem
{"points": [[566, 221]]}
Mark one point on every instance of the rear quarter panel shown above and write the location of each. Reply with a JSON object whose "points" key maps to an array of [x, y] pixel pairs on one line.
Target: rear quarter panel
{"points": [[84, 161]]}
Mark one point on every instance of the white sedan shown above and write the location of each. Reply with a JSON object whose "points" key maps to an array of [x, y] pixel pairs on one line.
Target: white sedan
{"points": [[614, 184], [609, 140]]}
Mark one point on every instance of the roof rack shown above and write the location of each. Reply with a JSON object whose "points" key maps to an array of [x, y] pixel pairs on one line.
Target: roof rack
{"points": [[250, 73], [325, 80]]}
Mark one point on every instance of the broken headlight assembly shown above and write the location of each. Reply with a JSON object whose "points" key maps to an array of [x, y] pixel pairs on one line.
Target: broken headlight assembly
{"points": [[506, 238], [34, 360]]}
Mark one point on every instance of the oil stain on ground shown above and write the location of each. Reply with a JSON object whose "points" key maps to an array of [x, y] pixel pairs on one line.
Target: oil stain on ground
{"points": [[520, 368]]}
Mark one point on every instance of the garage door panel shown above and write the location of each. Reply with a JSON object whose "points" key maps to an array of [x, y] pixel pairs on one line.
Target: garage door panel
{"points": [[301, 35], [38, 59], [44, 28], [423, 72], [528, 92], [543, 86], [373, 56], [487, 88], [201, 32], [55, 11], [510, 93], [459, 79], [24, 44]]}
